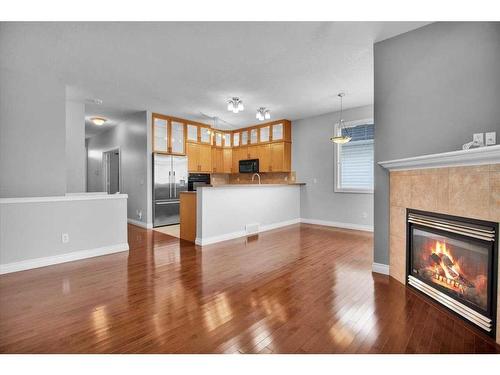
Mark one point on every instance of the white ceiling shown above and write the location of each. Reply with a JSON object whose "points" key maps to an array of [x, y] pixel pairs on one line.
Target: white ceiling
{"points": [[181, 69]]}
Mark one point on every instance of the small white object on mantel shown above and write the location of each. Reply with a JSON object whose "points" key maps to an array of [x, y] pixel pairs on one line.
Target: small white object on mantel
{"points": [[476, 156]]}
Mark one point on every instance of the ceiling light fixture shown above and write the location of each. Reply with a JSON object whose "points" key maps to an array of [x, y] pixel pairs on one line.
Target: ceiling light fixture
{"points": [[263, 114], [98, 120], [340, 133], [235, 105]]}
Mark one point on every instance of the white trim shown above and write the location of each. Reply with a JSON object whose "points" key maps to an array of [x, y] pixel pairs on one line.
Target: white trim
{"points": [[380, 268], [476, 156], [63, 198], [243, 233], [140, 223], [62, 258], [366, 228]]}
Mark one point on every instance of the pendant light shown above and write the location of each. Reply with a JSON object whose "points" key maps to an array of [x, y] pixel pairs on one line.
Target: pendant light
{"points": [[235, 105], [263, 114], [338, 137]]}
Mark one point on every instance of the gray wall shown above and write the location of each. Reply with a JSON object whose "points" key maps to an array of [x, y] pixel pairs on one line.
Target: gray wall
{"points": [[32, 133], [131, 137], [75, 147], [32, 230], [434, 87], [313, 158]]}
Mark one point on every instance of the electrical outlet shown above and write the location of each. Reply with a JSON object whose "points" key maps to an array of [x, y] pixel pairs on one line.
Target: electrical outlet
{"points": [[491, 138], [64, 237], [364, 215], [478, 139]]}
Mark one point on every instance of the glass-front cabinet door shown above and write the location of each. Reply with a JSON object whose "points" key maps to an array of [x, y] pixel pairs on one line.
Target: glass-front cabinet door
{"points": [[192, 133], [253, 136], [161, 135], [205, 135], [244, 137], [227, 139], [218, 139], [177, 130], [278, 132], [264, 134]]}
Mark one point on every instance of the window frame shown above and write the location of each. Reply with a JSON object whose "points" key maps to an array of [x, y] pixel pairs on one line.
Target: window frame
{"points": [[337, 165]]}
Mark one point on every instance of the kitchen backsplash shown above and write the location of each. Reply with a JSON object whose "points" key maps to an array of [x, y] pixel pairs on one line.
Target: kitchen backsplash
{"points": [[246, 178]]}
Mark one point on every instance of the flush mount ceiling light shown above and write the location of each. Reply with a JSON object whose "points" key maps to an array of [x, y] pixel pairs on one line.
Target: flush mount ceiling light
{"points": [[341, 134], [98, 120], [235, 105], [263, 114]]}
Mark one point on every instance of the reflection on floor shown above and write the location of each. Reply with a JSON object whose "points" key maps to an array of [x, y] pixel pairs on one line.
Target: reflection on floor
{"points": [[297, 289], [171, 230]]}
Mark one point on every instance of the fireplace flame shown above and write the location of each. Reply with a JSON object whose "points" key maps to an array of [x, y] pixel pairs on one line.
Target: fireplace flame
{"points": [[446, 269]]}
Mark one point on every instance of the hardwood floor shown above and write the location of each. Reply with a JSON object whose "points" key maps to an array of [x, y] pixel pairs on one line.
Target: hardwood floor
{"points": [[299, 289]]}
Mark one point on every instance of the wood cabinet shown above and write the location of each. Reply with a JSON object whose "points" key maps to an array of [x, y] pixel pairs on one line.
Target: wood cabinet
{"points": [[280, 160], [217, 151], [264, 156], [199, 157], [217, 160], [252, 152], [169, 135], [227, 160]]}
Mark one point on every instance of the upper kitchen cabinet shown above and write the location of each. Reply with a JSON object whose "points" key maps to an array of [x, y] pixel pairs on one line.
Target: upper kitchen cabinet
{"points": [[254, 135], [192, 133], [199, 157], [160, 134], [205, 135], [244, 137], [169, 135], [281, 131], [178, 143], [236, 139], [264, 135], [218, 139], [227, 140]]}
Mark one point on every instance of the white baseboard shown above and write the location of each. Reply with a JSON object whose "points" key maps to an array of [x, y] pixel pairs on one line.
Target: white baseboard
{"points": [[62, 258], [380, 268], [242, 233], [140, 224], [366, 228]]}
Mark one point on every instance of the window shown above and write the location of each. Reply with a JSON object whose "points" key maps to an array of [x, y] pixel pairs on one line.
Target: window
{"points": [[354, 160]]}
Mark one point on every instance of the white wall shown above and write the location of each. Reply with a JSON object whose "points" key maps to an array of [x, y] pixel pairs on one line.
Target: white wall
{"points": [[131, 137], [30, 231], [75, 147], [32, 134], [313, 160], [223, 211]]}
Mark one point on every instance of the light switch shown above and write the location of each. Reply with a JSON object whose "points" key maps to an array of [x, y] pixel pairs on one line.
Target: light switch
{"points": [[491, 138]]}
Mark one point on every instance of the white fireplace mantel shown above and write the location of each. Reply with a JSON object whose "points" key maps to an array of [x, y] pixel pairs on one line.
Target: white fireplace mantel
{"points": [[476, 156]]}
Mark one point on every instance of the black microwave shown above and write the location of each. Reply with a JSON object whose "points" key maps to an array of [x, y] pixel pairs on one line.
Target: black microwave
{"points": [[249, 166]]}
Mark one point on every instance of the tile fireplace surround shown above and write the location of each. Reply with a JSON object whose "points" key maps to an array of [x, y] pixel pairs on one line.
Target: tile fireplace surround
{"points": [[468, 190]]}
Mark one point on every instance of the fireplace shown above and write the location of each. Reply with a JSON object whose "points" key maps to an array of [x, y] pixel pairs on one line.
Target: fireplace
{"points": [[453, 260]]}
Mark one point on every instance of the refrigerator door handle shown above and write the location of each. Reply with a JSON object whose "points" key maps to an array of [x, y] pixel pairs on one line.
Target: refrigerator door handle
{"points": [[169, 184], [175, 186]]}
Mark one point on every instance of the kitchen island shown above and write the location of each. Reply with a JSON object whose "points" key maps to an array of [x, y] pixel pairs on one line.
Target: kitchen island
{"points": [[236, 210]]}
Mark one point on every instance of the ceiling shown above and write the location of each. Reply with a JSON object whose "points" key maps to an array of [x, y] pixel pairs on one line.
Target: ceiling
{"points": [[182, 69]]}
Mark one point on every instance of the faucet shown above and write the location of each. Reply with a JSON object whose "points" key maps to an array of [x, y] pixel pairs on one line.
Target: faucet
{"points": [[256, 174]]}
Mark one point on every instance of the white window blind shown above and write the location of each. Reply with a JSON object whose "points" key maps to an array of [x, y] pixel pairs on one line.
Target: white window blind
{"points": [[355, 160]]}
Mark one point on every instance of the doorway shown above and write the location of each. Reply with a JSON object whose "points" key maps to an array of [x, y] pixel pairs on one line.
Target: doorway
{"points": [[112, 171]]}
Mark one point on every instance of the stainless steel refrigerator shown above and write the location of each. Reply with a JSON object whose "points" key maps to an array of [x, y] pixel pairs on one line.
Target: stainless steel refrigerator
{"points": [[170, 177]]}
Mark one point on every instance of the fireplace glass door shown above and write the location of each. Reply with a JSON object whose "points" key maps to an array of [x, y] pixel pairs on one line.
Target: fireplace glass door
{"points": [[457, 266]]}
